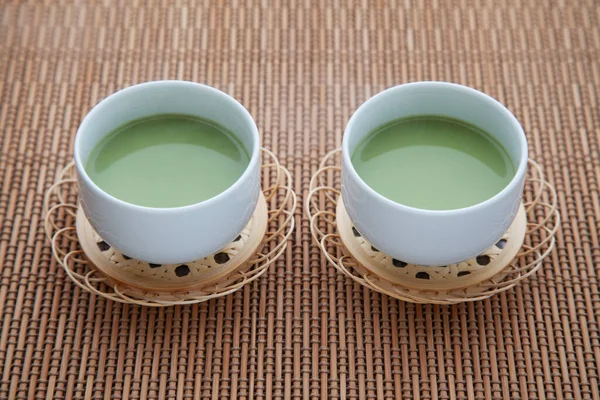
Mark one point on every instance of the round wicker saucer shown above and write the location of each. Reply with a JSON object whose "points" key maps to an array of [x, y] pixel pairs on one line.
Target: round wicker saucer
{"points": [[516, 256], [97, 268]]}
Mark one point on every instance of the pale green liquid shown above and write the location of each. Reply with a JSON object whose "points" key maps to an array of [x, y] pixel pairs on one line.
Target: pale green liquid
{"points": [[167, 160], [433, 163]]}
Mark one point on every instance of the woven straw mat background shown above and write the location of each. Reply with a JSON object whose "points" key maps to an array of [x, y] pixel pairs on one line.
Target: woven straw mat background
{"points": [[303, 330]]}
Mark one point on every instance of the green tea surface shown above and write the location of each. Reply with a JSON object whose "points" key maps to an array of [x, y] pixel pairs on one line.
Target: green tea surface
{"points": [[433, 163], [167, 160]]}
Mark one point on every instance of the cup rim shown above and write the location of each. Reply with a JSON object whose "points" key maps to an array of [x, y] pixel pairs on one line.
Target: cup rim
{"points": [[522, 165], [98, 108]]}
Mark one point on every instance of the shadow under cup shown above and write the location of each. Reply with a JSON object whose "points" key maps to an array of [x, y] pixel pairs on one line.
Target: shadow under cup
{"points": [[432, 237], [178, 234]]}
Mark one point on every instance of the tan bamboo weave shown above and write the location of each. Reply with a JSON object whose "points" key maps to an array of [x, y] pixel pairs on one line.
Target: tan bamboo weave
{"points": [[303, 330]]}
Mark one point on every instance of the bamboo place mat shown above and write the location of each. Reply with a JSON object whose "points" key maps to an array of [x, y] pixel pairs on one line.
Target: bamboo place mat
{"points": [[303, 330]]}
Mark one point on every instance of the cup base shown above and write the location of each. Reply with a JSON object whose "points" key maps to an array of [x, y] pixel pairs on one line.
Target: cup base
{"points": [[140, 276], [453, 276]]}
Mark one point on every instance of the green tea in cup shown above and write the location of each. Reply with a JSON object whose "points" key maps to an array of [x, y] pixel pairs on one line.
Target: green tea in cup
{"points": [[433, 162], [168, 171], [432, 172], [167, 160]]}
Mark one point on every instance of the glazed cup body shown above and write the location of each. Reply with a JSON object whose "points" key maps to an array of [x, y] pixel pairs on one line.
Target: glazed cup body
{"points": [[178, 234], [432, 237]]}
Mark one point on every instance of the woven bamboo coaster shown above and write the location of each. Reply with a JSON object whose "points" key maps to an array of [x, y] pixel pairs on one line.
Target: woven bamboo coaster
{"points": [[517, 255], [98, 268]]}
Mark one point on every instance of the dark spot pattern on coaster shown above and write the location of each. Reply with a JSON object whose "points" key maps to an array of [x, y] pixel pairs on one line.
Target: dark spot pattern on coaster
{"points": [[182, 270], [463, 273], [356, 233], [126, 257], [374, 249], [152, 265], [221, 258], [422, 275], [483, 260], [501, 243], [398, 263], [103, 246], [237, 238]]}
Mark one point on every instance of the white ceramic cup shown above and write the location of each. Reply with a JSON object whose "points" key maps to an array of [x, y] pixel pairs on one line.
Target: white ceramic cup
{"points": [[432, 237], [178, 234]]}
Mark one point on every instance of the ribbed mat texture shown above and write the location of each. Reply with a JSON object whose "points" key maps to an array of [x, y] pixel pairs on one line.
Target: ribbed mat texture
{"points": [[303, 330]]}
